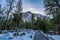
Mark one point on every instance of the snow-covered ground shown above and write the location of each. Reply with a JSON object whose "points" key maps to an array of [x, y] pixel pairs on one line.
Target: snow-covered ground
{"points": [[51, 37], [24, 35], [27, 35], [55, 37]]}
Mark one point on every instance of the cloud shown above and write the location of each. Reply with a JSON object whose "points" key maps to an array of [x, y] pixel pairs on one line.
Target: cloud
{"points": [[33, 6], [34, 10]]}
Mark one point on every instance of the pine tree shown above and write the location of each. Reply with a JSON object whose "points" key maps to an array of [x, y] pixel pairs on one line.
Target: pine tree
{"points": [[53, 8]]}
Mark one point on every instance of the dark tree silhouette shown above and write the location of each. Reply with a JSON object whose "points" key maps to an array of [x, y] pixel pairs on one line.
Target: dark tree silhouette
{"points": [[18, 13], [53, 8]]}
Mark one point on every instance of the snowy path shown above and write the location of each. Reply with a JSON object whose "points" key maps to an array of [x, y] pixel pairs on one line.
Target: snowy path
{"points": [[40, 36]]}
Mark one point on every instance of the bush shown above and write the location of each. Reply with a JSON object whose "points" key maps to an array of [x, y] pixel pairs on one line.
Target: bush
{"points": [[16, 34], [0, 32], [27, 25], [31, 36], [22, 34]]}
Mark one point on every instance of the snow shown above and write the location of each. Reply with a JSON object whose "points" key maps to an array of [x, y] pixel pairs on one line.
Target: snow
{"points": [[55, 37], [10, 36], [51, 37], [24, 35], [43, 33]]}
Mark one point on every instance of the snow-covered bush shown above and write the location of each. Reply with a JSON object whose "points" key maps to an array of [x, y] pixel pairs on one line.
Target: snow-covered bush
{"points": [[16, 34], [31, 36], [0, 32], [22, 34]]}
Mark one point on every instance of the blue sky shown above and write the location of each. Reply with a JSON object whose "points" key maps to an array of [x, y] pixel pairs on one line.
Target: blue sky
{"points": [[35, 6]]}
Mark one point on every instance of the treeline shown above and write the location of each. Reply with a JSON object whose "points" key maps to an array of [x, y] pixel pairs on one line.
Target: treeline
{"points": [[40, 24]]}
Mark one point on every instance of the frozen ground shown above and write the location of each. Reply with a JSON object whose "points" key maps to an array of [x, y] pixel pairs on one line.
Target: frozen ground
{"points": [[27, 35], [20, 36], [55, 37]]}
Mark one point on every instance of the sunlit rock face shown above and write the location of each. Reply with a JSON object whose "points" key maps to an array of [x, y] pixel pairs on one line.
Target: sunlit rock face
{"points": [[28, 16]]}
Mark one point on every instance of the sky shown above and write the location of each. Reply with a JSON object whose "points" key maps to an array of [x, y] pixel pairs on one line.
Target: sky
{"points": [[35, 6]]}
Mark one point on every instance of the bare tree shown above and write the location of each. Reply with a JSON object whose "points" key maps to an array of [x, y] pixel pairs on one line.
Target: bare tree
{"points": [[19, 9], [10, 5], [2, 12]]}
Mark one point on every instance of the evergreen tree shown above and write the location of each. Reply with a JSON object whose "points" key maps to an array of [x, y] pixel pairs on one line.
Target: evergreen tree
{"points": [[52, 7]]}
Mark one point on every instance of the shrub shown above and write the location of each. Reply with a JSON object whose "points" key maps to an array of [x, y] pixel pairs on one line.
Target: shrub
{"points": [[22, 34], [31, 36], [16, 34]]}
